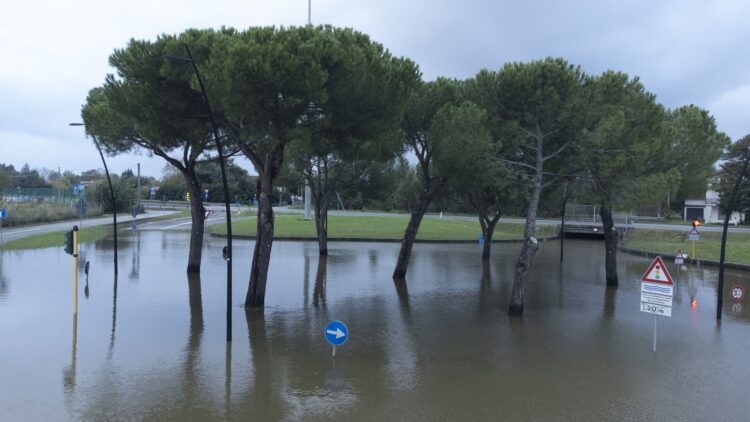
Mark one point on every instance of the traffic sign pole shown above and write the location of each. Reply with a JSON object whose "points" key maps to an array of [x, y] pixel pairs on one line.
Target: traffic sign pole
{"points": [[336, 334], [75, 270], [657, 289]]}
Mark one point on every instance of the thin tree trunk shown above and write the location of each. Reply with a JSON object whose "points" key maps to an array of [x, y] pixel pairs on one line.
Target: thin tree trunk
{"points": [[610, 245], [488, 230], [256, 294], [319, 293], [411, 233], [196, 233], [321, 220], [530, 244]]}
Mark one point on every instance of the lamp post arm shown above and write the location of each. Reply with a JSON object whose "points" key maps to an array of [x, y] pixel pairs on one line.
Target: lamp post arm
{"points": [[219, 149], [733, 198]]}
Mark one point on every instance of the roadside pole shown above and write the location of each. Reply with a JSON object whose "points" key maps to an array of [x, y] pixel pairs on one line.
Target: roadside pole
{"points": [[75, 270], [3, 214]]}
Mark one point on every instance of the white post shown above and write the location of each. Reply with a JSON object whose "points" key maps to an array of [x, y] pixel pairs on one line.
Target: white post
{"points": [[655, 319], [308, 201]]}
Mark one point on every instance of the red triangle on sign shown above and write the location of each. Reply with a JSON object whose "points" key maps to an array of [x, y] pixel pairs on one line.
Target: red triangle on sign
{"points": [[657, 273]]}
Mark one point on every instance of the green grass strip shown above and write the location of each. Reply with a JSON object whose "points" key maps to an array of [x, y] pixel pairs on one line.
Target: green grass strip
{"points": [[708, 247], [381, 228], [47, 240]]}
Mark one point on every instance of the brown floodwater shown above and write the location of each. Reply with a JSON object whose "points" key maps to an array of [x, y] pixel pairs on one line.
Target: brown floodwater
{"points": [[438, 347]]}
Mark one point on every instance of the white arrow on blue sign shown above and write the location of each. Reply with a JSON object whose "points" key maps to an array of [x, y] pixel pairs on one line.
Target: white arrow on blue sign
{"points": [[336, 333]]}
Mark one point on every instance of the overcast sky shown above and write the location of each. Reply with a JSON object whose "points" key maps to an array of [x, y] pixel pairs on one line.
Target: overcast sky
{"points": [[684, 51]]}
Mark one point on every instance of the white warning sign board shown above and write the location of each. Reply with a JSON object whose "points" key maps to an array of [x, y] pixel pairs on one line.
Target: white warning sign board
{"points": [[657, 289]]}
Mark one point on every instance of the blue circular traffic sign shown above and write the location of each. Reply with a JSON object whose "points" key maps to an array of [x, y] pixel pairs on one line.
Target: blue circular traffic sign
{"points": [[336, 333]]}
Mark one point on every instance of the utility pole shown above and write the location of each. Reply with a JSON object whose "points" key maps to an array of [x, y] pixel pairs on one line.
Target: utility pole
{"points": [[138, 192]]}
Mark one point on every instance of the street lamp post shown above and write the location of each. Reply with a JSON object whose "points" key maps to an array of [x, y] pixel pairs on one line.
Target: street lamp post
{"points": [[733, 198], [111, 192], [215, 128]]}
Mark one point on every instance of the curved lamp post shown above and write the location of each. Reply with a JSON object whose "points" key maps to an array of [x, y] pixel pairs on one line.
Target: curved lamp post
{"points": [[228, 249], [111, 192], [733, 198]]}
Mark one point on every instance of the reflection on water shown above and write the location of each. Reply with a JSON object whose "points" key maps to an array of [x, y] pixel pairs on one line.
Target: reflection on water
{"points": [[437, 345]]}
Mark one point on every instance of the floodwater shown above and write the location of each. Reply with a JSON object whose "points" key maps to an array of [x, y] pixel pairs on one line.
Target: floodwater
{"points": [[438, 347]]}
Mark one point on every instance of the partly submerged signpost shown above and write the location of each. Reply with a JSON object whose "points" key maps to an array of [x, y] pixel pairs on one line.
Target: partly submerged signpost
{"points": [[337, 334], [656, 291]]}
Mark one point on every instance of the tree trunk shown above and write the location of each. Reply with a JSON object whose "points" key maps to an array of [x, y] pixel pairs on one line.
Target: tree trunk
{"points": [[411, 232], [530, 244], [488, 229], [256, 293], [197, 213], [319, 293], [321, 220], [610, 245]]}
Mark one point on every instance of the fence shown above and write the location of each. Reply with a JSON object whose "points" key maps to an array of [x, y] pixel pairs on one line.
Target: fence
{"points": [[42, 195], [575, 213]]}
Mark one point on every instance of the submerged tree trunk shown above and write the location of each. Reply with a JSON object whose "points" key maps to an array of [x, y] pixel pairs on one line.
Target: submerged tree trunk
{"points": [[196, 233], [321, 220], [319, 293], [530, 244], [488, 229], [610, 245], [256, 293], [411, 233]]}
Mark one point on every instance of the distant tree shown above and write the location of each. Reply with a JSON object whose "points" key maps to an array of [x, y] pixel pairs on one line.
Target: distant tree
{"points": [[172, 186], [88, 175], [727, 178], [28, 178], [696, 147], [370, 184], [406, 188], [241, 184], [537, 110], [477, 180], [152, 105], [4, 177], [124, 190]]}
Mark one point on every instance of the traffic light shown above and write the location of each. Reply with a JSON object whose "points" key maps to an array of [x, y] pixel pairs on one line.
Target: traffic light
{"points": [[69, 242], [187, 196], [696, 223]]}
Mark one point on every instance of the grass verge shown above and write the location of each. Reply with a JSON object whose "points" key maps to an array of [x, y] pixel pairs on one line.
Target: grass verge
{"points": [[381, 228], [708, 247], [47, 240]]}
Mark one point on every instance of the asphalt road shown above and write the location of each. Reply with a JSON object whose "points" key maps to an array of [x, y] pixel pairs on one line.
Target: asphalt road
{"points": [[217, 217], [124, 219], [652, 226]]}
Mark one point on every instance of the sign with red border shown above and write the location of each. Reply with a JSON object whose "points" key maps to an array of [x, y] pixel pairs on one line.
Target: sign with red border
{"points": [[737, 293], [657, 273]]}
